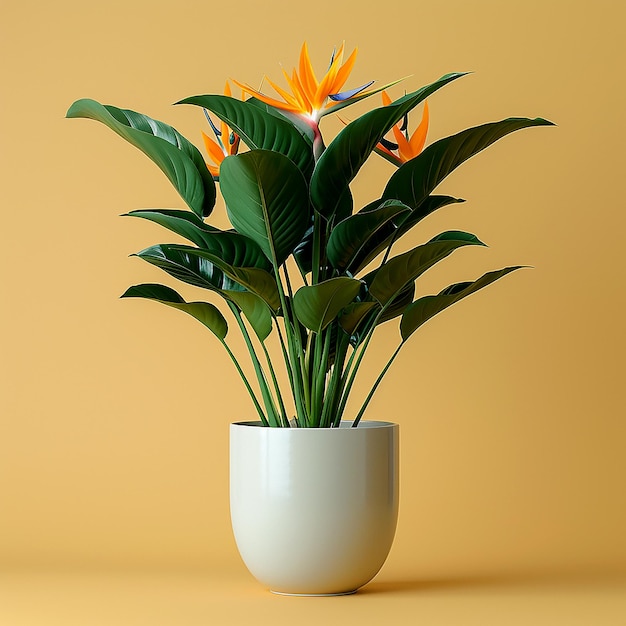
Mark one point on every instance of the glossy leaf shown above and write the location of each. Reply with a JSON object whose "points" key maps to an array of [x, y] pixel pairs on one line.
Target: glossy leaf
{"points": [[204, 312], [183, 223], [303, 252], [256, 311], [400, 302], [354, 314], [345, 155], [417, 178], [266, 199], [394, 229], [425, 208], [254, 279], [300, 124], [390, 279], [355, 234], [259, 129], [179, 160], [191, 269], [423, 309], [318, 305]]}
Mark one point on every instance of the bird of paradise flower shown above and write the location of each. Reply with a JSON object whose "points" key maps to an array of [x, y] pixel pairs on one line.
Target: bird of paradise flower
{"points": [[309, 96], [226, 141], [405, 147]]}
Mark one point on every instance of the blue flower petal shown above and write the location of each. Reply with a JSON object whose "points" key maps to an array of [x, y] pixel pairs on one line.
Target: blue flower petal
{"points": [[218, 133], [345, 95]]}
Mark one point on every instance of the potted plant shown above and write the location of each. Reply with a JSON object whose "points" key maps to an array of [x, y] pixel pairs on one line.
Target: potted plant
{"points": [[313, 499]]}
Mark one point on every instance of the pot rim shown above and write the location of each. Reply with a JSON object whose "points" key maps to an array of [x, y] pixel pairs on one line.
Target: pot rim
{"points": [[344, 425]]}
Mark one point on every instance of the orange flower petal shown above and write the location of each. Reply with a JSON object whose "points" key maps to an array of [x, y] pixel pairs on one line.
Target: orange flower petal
{"points": [[246, 89], [404, 148], [215, 152], [289, 98], [324, 88], [307, 75], [299, 95], [343, 73], [418, 139], [386, 98]]}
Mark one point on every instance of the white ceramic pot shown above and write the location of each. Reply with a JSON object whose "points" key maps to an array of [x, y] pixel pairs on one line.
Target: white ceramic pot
{"points": [[314, 510]]}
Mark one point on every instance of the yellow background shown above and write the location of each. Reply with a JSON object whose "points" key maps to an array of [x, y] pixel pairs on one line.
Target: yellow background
{"points": [[114, 414]]}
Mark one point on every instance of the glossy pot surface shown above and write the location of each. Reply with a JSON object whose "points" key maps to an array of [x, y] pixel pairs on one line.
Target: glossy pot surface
{"points": [[314, 510]]}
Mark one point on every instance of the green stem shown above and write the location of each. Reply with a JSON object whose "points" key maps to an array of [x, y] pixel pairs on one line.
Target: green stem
{"points": [[265, 393], [320, 376], [299, 356], [289, 367], [333, 391], [375, 386], [246, 383], [279, 396]]}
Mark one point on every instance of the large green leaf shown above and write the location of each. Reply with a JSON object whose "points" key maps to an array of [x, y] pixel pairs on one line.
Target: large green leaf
{"points": [[355, 234], [179, 160], [204, 312], [388, 281], [255, 309], [399, 303], [267, 199], [191, 269], [254, 279], [316, 306], [183, 223], [345, 155], [354, 314], [297, 121], [393, 229], [425, 208], [423, 309], [303, 252], [414, 181], [259, 129]]}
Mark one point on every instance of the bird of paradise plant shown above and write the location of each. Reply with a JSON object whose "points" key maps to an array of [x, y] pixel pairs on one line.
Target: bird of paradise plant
{"points": [[288, 196]]}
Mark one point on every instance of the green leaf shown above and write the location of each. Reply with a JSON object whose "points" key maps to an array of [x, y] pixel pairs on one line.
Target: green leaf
{"points": [[388, 281], [400, 302], [183, 223], [353, 315], [425, 208], [259, 129], [256, 311], [350, 238], [266, 199], [179, 160], [318, 305], [414, 181], [303, 252], [191, 269], [345, 155], [204, 312], [423, 309], [305, 129], [394, 229], [254, 279]]}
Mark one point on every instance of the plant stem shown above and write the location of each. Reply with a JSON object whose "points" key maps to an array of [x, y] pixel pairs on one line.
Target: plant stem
{"points": [[246, 383], [289, 367], [279, 396], [265, 393], [332, 390], [375, 386], [296, 342]]}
